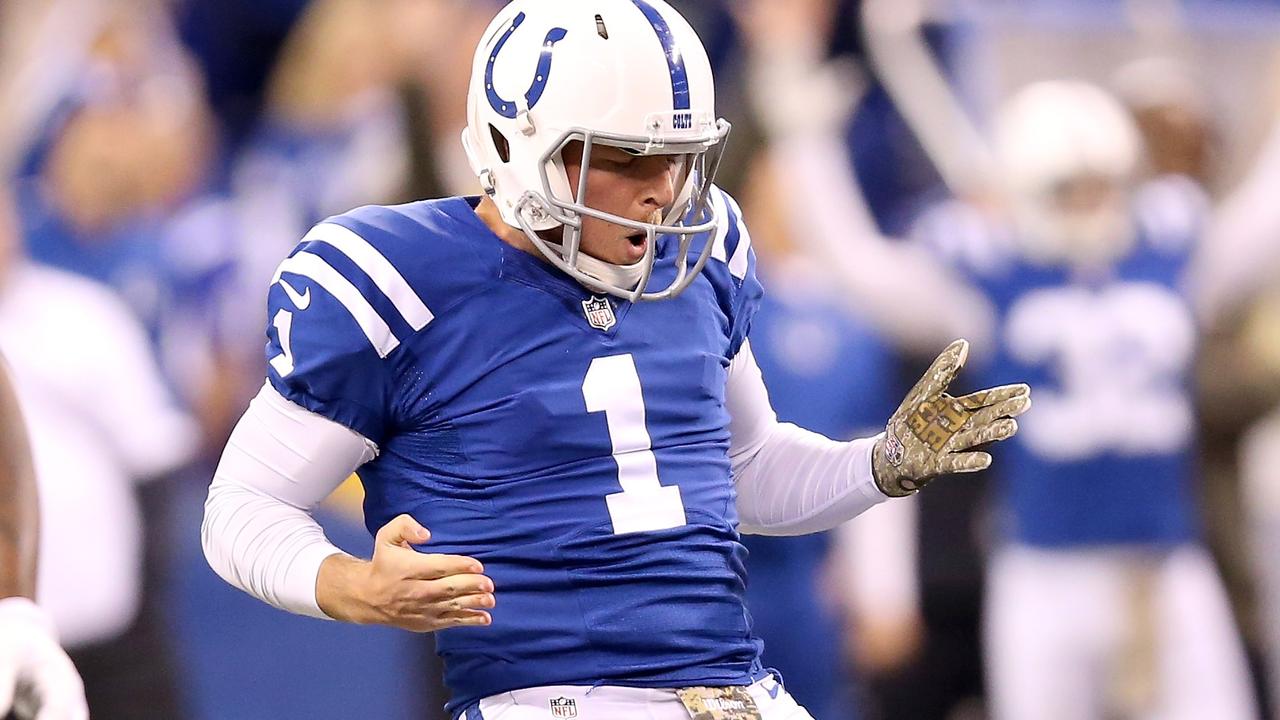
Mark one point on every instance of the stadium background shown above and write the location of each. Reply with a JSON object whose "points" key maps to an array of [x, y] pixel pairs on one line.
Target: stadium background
{"points": [[175, 150]]}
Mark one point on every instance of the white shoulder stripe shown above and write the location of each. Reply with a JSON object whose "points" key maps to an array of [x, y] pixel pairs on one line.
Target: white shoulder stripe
{"points": [[738, 263], [718, 251], [317, 270], [378, 268]]}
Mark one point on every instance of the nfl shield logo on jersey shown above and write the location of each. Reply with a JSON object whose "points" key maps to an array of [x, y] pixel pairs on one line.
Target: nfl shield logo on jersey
{"points": [[564, 707], [599, 314]]}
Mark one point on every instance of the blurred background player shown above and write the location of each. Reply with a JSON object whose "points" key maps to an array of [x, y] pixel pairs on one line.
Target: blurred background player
{"points": [[1102, 599]]}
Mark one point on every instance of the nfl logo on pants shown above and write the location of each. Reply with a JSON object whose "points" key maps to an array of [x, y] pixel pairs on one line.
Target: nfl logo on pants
{"points": [[564, 708]]}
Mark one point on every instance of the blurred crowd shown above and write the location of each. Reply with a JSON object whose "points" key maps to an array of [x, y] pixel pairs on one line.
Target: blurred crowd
{"points": [[1085, 185]]}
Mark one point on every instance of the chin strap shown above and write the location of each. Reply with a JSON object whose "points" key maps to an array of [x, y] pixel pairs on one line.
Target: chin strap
{"points": [[623, 276]]}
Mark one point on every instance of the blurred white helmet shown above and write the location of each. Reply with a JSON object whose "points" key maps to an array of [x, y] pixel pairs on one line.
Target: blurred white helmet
{"points": [[1067, 152], [626, 73]]}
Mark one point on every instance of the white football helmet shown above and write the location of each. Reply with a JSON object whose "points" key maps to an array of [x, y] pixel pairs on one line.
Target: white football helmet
{"points": [[626, 73], [1067, 152]]}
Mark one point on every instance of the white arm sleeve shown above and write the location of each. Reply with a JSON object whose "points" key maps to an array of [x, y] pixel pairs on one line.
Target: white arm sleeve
{"points": [[790, 481], [258, 532]]}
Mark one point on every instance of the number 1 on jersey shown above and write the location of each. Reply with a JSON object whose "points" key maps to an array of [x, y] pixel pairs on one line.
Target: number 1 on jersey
{"points": [[283, 363], [612, 386]]}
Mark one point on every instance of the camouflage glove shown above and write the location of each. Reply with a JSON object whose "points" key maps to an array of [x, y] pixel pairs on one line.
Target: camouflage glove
{"points": [[933, 433]]}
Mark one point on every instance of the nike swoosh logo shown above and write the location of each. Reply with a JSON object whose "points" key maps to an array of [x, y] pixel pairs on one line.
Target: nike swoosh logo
{"points": [[301, 300]]}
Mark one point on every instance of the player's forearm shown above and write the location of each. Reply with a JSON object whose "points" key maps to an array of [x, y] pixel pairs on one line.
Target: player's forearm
{"points": [[790, 481], [800, 482], [264, 547], [19, 513]]}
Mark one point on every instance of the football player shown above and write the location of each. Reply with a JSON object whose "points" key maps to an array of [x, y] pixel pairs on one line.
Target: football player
{"points": [[549, 394], [37, 679], [1103, 600]]}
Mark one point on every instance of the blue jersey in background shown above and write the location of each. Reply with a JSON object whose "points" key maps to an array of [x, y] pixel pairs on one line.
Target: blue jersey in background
{"points": [[1107, 454]]}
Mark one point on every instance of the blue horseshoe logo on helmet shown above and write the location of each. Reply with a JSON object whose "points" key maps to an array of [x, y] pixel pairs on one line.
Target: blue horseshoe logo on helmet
{"points": [[507, 108]]}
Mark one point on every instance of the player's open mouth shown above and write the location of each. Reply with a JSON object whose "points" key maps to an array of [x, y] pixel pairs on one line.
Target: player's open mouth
{"points": [[637, 241]]}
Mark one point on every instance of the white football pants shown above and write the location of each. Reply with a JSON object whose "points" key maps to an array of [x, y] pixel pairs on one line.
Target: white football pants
{"points": [[620, 703], [1112, 633]]}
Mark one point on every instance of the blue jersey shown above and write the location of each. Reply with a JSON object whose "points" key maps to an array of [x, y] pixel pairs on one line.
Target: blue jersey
{"points": [[577, 445], [1106, 454]]}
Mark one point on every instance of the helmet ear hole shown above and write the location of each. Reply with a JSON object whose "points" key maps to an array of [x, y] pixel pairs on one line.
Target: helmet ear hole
{"points": [[500, 144]]}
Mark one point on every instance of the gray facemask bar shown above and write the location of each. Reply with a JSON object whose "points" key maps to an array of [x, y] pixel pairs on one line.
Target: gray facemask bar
{"points": [[705, 154]]}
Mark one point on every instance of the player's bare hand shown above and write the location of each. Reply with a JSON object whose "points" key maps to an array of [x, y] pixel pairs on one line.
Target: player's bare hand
{"points": [[405, 588], [933, 433]]}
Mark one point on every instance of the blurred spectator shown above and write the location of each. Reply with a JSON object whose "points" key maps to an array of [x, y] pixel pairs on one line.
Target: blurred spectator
{"points": [[1172, 109], [127, 145]]}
